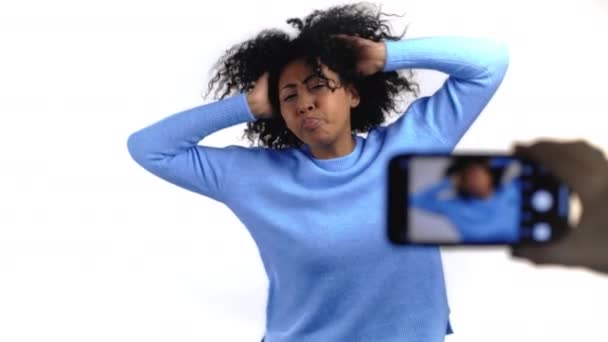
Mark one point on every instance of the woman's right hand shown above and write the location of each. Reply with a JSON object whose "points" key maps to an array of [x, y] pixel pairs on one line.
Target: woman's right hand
{"points": [[258, 99]]}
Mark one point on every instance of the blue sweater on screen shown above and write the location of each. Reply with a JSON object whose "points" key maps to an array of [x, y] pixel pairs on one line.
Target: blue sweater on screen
{"points": [[320, 225], [494, 219]]}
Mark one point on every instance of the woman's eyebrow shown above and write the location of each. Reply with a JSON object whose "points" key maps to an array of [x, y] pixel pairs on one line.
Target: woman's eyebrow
{"points": [[293, 85]]}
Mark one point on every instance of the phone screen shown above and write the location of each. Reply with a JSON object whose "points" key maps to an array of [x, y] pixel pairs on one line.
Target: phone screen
{"points": [[474, 199]]}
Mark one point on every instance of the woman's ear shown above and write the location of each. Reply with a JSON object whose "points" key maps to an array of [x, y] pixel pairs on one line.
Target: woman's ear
{"points": [[355, 99]]}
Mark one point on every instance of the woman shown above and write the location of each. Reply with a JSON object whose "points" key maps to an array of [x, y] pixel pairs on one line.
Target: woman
{"points": [[481, 206], [312, 194]]}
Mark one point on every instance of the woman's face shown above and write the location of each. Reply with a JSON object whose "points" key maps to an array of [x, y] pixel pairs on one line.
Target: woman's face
{"points": [[313, 112], [477, 181]]}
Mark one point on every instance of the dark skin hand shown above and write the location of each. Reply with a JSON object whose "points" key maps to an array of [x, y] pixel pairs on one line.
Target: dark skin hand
{"points": [[585, 169]]}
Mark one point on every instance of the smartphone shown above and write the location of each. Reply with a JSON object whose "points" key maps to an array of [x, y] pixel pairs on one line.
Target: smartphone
{"points": [[474, 199]]}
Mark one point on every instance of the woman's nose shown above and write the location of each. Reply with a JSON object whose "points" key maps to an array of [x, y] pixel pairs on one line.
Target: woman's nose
{"points": [[304, 108], [305, 103]]}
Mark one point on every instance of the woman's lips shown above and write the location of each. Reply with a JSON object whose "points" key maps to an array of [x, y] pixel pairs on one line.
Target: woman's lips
{"points": [[311, 123]]}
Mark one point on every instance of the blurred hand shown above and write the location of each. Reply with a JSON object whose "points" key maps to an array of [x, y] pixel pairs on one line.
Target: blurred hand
{"points": [[585, 169], [371, 55], [258, 100]]}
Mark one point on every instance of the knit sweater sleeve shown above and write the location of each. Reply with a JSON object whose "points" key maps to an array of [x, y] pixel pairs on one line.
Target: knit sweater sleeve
{"points": [[169, 148], [475, 69], [430, 198]]}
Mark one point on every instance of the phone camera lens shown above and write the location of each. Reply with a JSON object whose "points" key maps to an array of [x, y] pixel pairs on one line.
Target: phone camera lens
{"points": [[541, 231], [542, 201]]}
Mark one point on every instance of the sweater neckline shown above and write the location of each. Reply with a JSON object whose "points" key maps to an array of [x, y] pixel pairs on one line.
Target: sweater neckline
{"points": [[339, 163]]}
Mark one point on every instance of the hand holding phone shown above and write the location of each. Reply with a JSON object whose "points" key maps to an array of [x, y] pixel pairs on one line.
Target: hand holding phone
{"points": [[474, 199], [585, 169]]}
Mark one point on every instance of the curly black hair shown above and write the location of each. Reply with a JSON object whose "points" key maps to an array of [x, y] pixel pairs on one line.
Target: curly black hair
{"points": [[271, 50], [460, 163]]}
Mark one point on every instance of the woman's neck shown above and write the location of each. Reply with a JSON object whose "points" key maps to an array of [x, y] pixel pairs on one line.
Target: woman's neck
{"points": [[338, 149]]}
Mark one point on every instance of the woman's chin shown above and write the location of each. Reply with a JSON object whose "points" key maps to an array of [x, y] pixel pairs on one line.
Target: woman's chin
{"points": [[319, 141], [316, 138]]}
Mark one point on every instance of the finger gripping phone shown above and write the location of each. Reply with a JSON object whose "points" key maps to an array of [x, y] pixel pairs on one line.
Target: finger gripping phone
{"points": [[474, 199]]}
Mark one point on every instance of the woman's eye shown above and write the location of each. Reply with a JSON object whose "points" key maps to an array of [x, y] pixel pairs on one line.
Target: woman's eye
{"points": [[318, 85], [289, 97]]}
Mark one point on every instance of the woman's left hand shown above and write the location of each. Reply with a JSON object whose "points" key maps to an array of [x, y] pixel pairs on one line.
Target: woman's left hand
{"points": [[371, 54]]}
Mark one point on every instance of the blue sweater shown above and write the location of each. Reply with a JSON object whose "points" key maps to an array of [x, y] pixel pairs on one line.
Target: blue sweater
{"points": [[320, 225], [495, 219]]}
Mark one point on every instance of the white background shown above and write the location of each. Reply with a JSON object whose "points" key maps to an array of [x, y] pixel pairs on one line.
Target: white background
{"points": [[93, 248]]}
